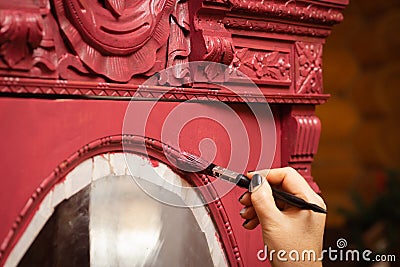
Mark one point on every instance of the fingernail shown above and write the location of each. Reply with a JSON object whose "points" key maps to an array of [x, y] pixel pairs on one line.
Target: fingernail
{"points": [[243, 210], [255, 182], [246, 222], [240, 198]]}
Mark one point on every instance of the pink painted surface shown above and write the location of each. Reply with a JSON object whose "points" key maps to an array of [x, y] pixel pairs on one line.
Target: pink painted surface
{"points": [[32, 150], [49, 57]]}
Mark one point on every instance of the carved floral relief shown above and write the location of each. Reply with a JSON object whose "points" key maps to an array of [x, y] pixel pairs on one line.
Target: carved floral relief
{"points": [[124, 41], [309, 68], [263, 65]]}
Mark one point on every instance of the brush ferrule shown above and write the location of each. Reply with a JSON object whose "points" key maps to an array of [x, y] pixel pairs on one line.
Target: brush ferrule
{"points": [[225, 174]]}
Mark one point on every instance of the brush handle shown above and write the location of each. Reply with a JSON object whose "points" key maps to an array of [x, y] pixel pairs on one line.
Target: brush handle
{"points": [[244, 182], [295, 201]]}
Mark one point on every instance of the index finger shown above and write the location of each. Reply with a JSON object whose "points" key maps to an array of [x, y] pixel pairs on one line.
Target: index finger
{"points": [[290, 181]]}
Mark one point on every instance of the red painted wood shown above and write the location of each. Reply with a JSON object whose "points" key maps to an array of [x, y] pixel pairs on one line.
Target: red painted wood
{"points": [[34, 149], [53, 49]]}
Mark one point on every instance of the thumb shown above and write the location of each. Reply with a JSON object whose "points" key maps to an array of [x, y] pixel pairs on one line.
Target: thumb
{"points": [[262, 199]]}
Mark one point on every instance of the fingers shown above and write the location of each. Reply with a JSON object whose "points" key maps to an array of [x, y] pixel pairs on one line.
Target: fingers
{"points": [[260, 204], [262, 199], [251, 224], [245, 199], [287, 177], [261, 208], [290, 181], [248, 213]]}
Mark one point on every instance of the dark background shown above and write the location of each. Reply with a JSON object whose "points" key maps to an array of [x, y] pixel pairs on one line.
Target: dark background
{"points": [[358, 160]]}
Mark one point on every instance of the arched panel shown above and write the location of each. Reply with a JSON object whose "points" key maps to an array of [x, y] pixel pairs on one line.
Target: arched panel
{"points": [[104, 158]]}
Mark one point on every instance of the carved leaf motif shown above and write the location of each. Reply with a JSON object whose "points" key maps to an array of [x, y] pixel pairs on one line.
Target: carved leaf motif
{"points": [[20, 33], [271, 64]]}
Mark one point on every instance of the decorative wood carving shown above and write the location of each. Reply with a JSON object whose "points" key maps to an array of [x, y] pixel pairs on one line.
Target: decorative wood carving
{"points": [[105, 49], [120, 143], [274, 27], [262, 65], [218, 49], [310, 68], [116, 38], [112, 40], [222, 2], [302, 130], [123, 50], [291, 10], [272, 16], [16, 85], [213, 42], [178, 47], [307, 136], [20, 33]]}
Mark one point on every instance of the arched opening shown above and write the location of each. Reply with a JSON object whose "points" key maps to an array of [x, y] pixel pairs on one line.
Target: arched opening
{"points": [[98, 216]]}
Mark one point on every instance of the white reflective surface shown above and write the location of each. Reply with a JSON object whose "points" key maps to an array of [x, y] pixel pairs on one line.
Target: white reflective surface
{"points": [[124, 226], [110, 221], [129, 228]]}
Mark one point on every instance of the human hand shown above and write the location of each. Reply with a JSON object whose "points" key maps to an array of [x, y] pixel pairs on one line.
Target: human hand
{"points": [[285, 228]]}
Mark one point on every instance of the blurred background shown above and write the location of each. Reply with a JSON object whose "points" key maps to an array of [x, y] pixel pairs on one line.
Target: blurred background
{"points": [[358, 161]]}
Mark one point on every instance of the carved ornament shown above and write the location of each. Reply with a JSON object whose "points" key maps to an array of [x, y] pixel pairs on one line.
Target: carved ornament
{"points": [[213, 42], [291, 10], [309, 68], [307, 136], [302, 130], [15, 86], [274, 27], [262, 65], [20, 33], [117, 38]]}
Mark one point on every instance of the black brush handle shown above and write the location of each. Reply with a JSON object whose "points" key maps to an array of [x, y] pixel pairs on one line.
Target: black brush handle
{"points": [[243, 181], [296, 201]]}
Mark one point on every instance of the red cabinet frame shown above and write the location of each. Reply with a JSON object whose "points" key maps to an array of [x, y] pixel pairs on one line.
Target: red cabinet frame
{"points": [[65, 83]]}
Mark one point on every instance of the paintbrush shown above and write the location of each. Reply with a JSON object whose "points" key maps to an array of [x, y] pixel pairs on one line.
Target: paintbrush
{"points": [[200, 165]]}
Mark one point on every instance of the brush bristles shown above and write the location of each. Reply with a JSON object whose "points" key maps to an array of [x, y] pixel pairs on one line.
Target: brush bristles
{"points": [[194, 163]]}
